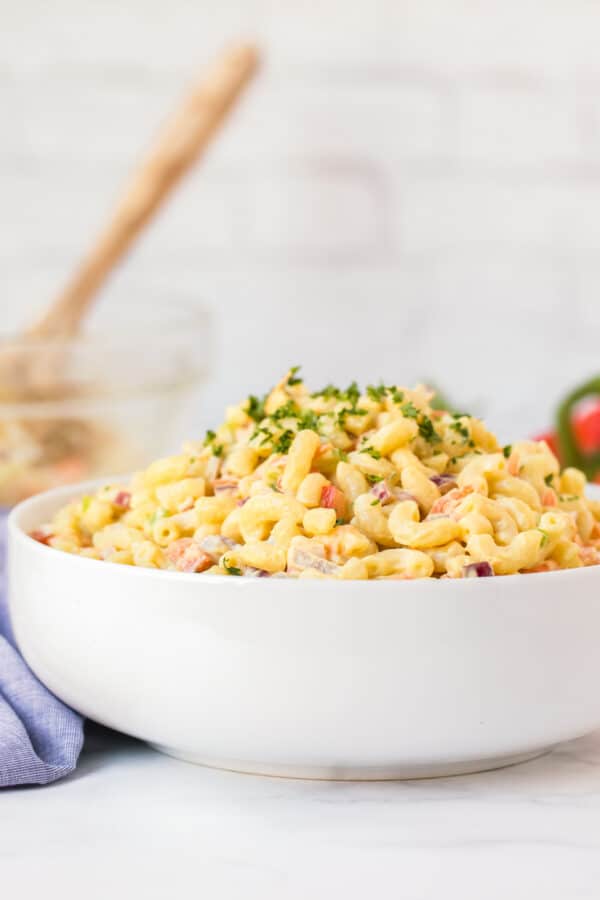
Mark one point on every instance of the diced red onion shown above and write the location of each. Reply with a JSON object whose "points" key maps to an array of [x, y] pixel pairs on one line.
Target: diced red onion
{"points": [[477, 570], [225, 486], [122, 499], [216, 545], [386, 494], [382, 492], [256, 573], [444, 482], [302, 559]]}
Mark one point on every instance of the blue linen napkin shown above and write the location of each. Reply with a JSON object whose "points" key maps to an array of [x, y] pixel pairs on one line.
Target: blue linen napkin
{"points": [[40, 737]]}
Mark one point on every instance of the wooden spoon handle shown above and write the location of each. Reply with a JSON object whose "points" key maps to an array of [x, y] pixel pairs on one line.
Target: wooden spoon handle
{"points": [[181, 142]]}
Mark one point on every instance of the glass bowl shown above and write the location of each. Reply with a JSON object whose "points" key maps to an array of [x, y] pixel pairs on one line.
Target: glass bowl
{"points": [[103, 403]]}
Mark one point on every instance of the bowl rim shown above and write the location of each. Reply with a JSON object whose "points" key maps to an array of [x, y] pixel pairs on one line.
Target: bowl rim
{"points": [[66, 492]]}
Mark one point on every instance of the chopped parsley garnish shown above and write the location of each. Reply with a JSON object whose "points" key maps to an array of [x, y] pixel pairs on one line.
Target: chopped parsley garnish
{"points": [[548, 479], [380, 391], [215, 449], [376, 393], [231, 570], [308, 419], [375, 502], [371, 451], [289, 410], [567, 498], [342, 455], [292, 380], [507, 450], [328, 392], [351, 396], [427, 431], [284, 441], [255, 408], [267, 436], [409, 410], [374, 479], [353, 393], [461, 429], [350, 411], [339, 521], [545, 537], [85, 503]]}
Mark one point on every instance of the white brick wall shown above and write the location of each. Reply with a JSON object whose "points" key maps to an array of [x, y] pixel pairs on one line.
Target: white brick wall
{"points": [[411, 188]]}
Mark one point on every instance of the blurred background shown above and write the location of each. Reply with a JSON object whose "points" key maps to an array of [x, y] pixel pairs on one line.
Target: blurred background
{"points": [[408, 190]]}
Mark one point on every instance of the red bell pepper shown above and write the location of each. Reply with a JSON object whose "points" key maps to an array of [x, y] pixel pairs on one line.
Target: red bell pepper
{"points": [[333, 498], [576, 437]]}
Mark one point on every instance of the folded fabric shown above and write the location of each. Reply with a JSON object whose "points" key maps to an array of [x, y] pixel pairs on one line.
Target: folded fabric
{"points": [[40, 737]]}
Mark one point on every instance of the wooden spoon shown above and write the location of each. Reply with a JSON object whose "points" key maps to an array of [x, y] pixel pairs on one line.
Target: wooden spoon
{"points": [[28, 372]]}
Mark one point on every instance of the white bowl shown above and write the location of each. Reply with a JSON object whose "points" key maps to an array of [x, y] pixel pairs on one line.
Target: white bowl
{"points": [[315, 679]]}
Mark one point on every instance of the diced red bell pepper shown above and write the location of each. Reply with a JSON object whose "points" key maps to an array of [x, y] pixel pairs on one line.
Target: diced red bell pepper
{"points": [[333, 498], [43, 537], [122, 499], [586, 426], [188, 556]]}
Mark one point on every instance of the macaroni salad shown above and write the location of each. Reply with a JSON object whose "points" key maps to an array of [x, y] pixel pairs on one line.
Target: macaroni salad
{"points": [[342, 484]]}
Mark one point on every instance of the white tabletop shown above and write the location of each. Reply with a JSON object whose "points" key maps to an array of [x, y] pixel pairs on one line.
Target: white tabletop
{"points": [[133, 823]]}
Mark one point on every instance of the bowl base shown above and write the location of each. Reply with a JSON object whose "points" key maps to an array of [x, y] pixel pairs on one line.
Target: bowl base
{"points": [[354, 773]]}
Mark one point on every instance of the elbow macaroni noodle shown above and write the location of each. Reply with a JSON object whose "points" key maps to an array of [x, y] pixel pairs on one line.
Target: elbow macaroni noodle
{"points": [[341, 484]]}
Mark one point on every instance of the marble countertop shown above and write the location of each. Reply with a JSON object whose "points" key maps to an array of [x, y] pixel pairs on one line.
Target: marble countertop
{"points": [[131, 822]]}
